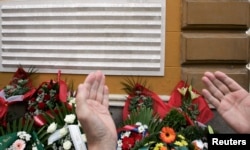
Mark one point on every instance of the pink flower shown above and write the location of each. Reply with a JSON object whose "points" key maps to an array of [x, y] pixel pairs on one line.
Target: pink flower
{"points": [[19, 145]]}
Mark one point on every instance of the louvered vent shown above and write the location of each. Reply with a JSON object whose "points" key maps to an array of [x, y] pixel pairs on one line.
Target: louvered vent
{"points": [[119, 37]]}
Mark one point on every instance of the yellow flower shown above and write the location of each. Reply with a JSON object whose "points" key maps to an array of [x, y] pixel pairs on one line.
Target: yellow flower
{"points": [[182, 141], [160, 146], [193, 94], [183, 91], [181, 137]]}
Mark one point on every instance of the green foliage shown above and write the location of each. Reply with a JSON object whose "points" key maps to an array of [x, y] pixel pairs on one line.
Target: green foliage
{"points": [[145, 116], [175, 120], [17, 125], [190, 108], [147, 141], [193, 132], [129, 84]]}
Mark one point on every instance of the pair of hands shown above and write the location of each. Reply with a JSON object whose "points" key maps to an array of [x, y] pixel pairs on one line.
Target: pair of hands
{"points": [[229, 98]]}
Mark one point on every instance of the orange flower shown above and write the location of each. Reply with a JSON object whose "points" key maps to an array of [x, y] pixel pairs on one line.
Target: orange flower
{"points": [[163, 148], [167, 135]]}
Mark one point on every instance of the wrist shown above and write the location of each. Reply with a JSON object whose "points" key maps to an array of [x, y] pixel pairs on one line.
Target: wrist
{"points": [[107, 142], [108, 145]]}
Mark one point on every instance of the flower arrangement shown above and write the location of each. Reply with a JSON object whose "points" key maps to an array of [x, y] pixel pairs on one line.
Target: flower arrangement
{"points": [[20, 83], [20, 135], [182, 127], [63, 131], [46, 97], [50, 121], [16, 92]]}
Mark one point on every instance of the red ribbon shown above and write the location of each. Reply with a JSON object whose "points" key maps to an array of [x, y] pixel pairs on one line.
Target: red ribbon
{"points": [[63, 90]]}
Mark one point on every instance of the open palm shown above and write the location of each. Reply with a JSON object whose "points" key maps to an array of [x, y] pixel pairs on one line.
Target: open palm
{"points": [[229, 98], [92, 111]]}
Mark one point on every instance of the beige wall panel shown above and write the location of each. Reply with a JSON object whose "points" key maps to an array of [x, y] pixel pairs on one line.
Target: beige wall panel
{"points": [[215, 13], [214, 47], [195, 73]]}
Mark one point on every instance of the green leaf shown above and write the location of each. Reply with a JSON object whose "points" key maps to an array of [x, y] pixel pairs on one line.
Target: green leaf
{"points": [[2, 131], [14, 126], [26, 124], [8, 128], [20, 121], [210, 129], [30, 125], [61, 115]]}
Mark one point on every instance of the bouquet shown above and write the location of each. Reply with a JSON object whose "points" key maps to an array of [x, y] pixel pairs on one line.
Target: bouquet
{"points": [[16, 93], [182, 127], [139, 96], [46, 97], [20, 135], [63, 131]]}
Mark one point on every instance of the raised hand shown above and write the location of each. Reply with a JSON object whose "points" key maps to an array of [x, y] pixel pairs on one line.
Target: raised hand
{"points": [[92, 104], [229, 98]]}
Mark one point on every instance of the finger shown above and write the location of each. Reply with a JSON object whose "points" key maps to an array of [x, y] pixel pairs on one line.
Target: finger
{"points": [[210, 85], [89, 81], [222, 87], [208, 96], [229, 82], [100, 90], [106, 97], [94, 86]]}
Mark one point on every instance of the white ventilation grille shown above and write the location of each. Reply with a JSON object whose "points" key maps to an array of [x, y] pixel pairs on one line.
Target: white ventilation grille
{"points": [[119, 38]]}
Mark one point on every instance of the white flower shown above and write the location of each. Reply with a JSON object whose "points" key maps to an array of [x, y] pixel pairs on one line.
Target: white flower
{"points": [[24, 135], [72, 100], [34, 148], [138, 123], [52, 128], [70, 118], [67, 145], [125, 134], [119, 143], [63, 131], [84, 138], [141, 129]]}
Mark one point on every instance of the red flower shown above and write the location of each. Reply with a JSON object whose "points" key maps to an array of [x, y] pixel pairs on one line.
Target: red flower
{"points": [[41, 105], [46, 97], [128, 143], [40, 91], [137, 136], [31, 109]]}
